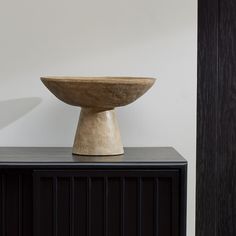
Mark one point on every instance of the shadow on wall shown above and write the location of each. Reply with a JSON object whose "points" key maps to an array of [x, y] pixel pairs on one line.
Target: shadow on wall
{"points": [[14, 109]]}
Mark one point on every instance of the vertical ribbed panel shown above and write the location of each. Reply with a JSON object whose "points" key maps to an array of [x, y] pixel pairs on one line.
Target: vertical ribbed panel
{"points": [[156, 208], [64, 223], [80, 206], [54, 220], [96, 204], [72, 206], [130, 207], [139, 193], [175, 207], [89, 206], [16, 203], [12, 202], [122, 206], [89, 203], [47, 209], [148, 221], [114, 206], [2, 204], [105, 206], [164, 206], [97, 207], [26, 203], [20, 195]]}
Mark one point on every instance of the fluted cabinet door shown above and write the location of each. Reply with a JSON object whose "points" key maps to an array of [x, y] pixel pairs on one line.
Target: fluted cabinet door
{"points": [[16, 202], [107, 203]]}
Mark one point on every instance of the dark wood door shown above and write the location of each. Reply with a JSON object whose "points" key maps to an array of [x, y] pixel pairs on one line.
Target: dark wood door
{"points": [[107, 203], [216, 132]]}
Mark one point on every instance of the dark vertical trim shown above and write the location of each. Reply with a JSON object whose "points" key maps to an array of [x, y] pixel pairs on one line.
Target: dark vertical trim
{"points": [[20, 202], [105, 206], [139, 230], [226, 148], [122, 206], [36, 204], [156, 207], [89, 185], [183, 199], [207, 112], [55, 201], [3, 204], [72, 205], [175, 206]]}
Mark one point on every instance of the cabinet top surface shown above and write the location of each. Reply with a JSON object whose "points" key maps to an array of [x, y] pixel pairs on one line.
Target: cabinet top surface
{"points": [[62, 155]]}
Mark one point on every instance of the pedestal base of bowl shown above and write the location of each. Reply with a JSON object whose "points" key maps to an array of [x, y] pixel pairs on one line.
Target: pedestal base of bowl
{"points": [[97, 133]]}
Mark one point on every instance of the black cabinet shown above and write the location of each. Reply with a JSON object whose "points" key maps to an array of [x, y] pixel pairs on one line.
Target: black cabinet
{"points": [[49, 192]]}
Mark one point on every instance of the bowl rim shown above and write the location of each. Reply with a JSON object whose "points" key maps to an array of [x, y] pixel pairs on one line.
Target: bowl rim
{"points": [[100, 79]]}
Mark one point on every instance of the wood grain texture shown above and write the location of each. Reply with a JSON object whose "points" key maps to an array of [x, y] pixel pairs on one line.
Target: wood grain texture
{"points": [[226, 147], [216, 131], [207, 118]]}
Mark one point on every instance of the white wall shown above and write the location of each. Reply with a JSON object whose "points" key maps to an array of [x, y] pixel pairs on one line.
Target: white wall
{"points": [[107, 37]]}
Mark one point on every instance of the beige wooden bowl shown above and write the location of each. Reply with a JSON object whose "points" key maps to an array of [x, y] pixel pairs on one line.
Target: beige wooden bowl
{"points": [[98, 131]]}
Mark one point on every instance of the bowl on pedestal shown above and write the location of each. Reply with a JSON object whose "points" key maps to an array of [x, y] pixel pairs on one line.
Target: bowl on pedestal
{"points": [[98, 131]]}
